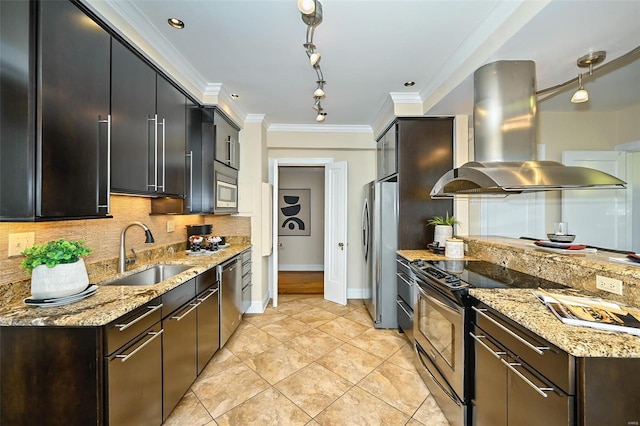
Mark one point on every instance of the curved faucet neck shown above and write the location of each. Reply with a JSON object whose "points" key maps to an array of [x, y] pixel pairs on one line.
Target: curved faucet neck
{"points": [[122, 257]]}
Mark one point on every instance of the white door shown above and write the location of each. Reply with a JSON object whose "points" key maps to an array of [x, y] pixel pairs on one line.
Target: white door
{"points": [[600, 215], [335, 243], [273, 271]]}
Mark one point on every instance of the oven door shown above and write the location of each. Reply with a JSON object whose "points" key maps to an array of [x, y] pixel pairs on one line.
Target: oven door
{"points": [[439, 330]]}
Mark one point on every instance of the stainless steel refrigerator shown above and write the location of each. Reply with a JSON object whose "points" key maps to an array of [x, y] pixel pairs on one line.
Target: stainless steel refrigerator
{"points": [[379, 245]]}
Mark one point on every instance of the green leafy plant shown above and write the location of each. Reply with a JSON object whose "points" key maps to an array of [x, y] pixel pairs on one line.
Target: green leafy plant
{"points": [[439, 220], [53, 253]]}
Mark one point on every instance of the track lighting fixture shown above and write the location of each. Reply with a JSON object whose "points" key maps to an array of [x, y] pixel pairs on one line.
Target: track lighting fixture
{"points": [[581, 94], [588, 60], [312, 16]]}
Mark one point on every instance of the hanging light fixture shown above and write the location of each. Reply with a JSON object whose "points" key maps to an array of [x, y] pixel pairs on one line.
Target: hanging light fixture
{"points": [[588, 60], [581, 94], [311, 11]]}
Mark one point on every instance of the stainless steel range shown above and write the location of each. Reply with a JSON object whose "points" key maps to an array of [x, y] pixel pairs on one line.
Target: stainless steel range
{"points": [[442, 321]]}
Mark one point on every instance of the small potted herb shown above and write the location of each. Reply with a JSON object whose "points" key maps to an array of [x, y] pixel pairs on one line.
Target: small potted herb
{"points": [[443, 228], [56, 268]]}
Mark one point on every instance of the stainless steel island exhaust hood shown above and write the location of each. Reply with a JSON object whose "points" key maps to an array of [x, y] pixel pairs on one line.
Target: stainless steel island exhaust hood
{"points": [[505, 122]]}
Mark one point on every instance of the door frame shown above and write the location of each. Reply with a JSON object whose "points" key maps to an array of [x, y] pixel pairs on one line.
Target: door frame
{"points": [[274, 168]]}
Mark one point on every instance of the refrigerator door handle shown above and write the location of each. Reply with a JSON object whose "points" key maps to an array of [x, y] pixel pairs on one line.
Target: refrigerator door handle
{"points": [[365, 230]]}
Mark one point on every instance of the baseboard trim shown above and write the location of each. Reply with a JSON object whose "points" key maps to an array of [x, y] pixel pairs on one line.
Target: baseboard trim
{"points": [[287, 268], [258, 307], [358, 293]]}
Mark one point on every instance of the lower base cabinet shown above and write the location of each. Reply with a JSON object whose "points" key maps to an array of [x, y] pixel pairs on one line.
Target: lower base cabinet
{"points": [[133, 371], [521, 379], [179, 355]]}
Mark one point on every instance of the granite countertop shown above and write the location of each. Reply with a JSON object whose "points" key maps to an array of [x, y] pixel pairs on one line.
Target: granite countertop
{"points": [[523, 307], [412, 255], [111, 302]]}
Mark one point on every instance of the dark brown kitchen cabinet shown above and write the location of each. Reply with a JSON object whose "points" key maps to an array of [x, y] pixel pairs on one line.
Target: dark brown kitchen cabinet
{"points": [[415, 152], [148, 128], [227, 146], [207, 287], [67, 376], [54, 141], [522, 379]]}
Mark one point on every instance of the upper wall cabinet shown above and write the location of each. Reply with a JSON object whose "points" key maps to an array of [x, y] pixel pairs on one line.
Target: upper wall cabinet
{"points": [[226, 141], [148, 133], [54, 123], [386, 158]]}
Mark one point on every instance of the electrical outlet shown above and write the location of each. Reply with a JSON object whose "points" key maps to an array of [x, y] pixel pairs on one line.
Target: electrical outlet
{"points": [[171, 225], [19, 242], [609, 284]]}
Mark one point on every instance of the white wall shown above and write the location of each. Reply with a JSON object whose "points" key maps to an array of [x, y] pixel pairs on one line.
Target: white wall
{"points": [[358, 150], [304, 253]]}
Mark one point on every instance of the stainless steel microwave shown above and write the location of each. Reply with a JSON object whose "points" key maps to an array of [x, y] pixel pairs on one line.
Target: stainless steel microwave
{"points": [[225, 189]]}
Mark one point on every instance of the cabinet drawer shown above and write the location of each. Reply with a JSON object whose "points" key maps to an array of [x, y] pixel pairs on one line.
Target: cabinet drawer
{"points": [[404, 278], [206, 280], [551, 361], [127, 327], [246, 279], [177, 297]]}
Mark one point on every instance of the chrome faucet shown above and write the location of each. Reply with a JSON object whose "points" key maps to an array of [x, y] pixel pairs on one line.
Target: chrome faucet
{"points": [[123, 261]]}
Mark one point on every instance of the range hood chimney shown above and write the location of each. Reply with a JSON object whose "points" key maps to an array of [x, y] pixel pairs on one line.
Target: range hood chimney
{"points": [[505, 123]]}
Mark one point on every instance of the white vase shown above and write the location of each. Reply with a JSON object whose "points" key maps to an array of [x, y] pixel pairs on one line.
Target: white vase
{"points": [[59, 281], [441, 233]]}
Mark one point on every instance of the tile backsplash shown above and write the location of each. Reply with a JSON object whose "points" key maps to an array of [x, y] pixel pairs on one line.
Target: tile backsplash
{"points": [[103, 235]]}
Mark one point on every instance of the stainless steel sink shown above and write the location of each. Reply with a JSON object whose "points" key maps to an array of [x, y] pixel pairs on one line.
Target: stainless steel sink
{"points": [[153, 275]]}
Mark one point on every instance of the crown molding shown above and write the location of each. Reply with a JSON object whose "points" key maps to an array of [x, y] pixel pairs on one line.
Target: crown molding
{"points": [[406, 97], [319, 128]]}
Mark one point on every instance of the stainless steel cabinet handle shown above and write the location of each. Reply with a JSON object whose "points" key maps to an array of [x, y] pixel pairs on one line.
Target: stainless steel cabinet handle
{"points": [[403, 262], [510, 366], [190, 196], [154, 335], [401, 276], [152, 309], [193, 306], [212, 291], [401, 305], [229, 160], [108, 183], [536, 349], [155, 152], [494, 353], [164, 154]]}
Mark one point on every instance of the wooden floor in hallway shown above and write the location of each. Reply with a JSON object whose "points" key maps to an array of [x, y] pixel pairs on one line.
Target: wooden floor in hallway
{"points": [[301, 282]]}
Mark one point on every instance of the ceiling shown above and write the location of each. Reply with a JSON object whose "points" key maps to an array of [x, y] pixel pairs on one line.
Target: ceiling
{"points": [[369, 49]]}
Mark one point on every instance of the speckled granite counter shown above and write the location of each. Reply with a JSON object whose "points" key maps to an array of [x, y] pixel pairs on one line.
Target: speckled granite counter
{"points": [[412, 255], [524, 308], [110, 302]]}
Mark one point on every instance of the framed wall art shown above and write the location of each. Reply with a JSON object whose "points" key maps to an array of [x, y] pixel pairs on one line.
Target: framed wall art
{"points": [[294, 212]]}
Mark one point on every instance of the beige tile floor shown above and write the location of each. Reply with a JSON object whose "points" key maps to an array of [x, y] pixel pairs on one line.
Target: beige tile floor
{"points": [[310, 362]]}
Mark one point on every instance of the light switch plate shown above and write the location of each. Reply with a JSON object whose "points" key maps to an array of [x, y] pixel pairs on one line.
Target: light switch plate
{"points": [[171, 225], [20, 241], [609, 284]]}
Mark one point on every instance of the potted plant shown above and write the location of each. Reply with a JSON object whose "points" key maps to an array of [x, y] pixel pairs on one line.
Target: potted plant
{"points": [[56, 268], [443, 228]]}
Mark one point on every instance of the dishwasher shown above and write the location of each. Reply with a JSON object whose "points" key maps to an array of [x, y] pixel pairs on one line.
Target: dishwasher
{"points": [[230, 298]]}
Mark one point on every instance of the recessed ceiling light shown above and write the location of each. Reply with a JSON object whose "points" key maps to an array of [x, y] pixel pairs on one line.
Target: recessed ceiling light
{"points": [[235, 96], [176, 23], [409, 83]]}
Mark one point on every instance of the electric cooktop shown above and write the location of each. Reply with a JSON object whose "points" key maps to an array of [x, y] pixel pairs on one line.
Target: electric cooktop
{"points": [[464, 274]]}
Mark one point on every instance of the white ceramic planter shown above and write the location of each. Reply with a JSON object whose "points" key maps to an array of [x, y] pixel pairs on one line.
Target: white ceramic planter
{"points": [[59, 281], [442, 232]]}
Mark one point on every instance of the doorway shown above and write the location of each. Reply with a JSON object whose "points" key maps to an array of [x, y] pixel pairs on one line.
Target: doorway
{"points": [[301, 230], [335, 231]]}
